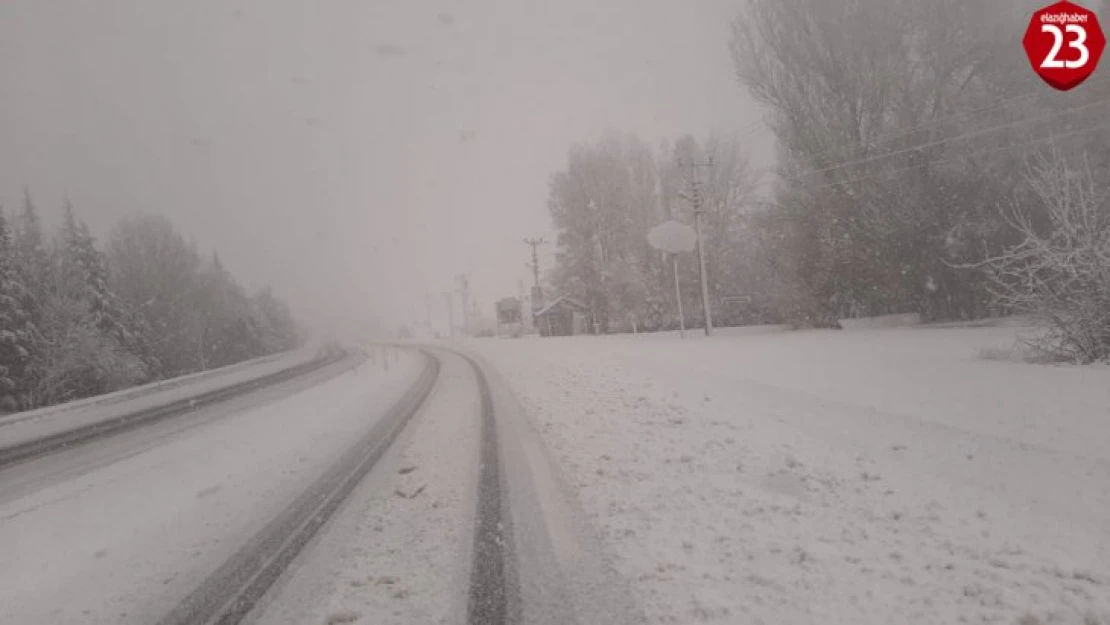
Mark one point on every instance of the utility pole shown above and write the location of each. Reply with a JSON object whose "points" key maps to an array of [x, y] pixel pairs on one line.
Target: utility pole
{"points": [[428, 311], [450, 313], [535, 243], [698, 212], [525, 307], [678, 298], [536, 299], [464, 297]]}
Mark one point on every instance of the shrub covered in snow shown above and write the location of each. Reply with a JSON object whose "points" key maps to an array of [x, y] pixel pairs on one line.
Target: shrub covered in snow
{"points": [[1060, 272]]}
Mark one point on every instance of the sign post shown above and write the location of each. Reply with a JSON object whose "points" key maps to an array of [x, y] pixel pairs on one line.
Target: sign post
{"points": [[674, 238], [702, 274], [678, 298]]}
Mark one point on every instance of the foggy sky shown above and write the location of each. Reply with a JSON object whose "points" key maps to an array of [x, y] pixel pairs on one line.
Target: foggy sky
{"points": [[355, 154]]}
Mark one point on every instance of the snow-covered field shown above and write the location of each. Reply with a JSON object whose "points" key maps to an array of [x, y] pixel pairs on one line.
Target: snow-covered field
{"points": [[886, 476]]}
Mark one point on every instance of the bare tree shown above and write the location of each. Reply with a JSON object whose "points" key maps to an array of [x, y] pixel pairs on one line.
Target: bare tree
{"points": [[1061, 275], [881, 108], [603, 204]]}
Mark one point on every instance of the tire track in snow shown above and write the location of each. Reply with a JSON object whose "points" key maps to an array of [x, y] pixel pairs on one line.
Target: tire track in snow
{"points": [[232, 591], [492, 598]]}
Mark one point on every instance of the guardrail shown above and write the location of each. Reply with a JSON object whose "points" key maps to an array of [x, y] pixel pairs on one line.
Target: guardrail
{"points": [[135, 392], [30, 448]]}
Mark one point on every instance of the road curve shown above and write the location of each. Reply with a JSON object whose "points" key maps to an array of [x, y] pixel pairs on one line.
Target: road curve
{"points": [[228, 595], [532, 557]]}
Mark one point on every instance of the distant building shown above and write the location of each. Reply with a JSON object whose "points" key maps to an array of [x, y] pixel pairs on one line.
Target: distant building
{"points": [[510, 317], [562, 317]]}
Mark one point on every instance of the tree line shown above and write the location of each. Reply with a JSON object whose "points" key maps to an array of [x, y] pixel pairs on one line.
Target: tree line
{"points": [[921, 167], [78, 320]]}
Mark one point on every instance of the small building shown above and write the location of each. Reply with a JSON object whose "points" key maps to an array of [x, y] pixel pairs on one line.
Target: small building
{"points": [[562, 317], [510, 317]]}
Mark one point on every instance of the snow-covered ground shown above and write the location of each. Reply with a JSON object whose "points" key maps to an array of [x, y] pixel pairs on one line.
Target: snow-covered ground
{"points": [[126, 540], [886, 476]]}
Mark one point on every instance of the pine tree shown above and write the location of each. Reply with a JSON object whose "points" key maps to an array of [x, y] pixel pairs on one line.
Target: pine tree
{"points": [[34, 265], [30, 248], [228, 330], [87, 269], [155, 273], [91, 349], [277, 328], [17, 331]]}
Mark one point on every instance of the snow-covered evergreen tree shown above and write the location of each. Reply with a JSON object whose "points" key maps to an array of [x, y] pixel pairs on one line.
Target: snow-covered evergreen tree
{"points": [[276, 324], [154, 271], [31, 254], [86, 267], [228, 329], [86, 347], [17, 330], [75, 321]]}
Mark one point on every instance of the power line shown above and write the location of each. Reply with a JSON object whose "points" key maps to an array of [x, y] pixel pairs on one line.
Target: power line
{"points": [[938, 142], [964, 114], [750, 129], [887, 137], [941, 121], [1005, 148]]}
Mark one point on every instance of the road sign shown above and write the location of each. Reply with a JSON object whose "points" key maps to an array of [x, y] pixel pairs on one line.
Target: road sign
{"points": [[737, 299], [673, 237], [1064, 43]]}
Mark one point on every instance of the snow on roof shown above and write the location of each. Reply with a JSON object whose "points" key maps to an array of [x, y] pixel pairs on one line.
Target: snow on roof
{"points": [[561, 300]]}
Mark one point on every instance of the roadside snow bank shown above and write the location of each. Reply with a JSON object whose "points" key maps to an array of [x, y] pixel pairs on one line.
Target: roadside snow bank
{"points": [[867, 477], [291, 358], [35, 424]]}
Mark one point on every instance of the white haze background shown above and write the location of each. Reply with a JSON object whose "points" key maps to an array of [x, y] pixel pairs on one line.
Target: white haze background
{"points": [[355, 154]]}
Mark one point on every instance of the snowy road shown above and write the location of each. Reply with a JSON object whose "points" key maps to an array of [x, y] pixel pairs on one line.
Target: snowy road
{"points": [[399, 552], [881, 477], [418, 542], [214, 516], [121, 530]]}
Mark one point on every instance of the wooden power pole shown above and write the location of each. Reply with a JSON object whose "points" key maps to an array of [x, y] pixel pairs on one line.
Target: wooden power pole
{"points": [[535, 243], [696, 200]]}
